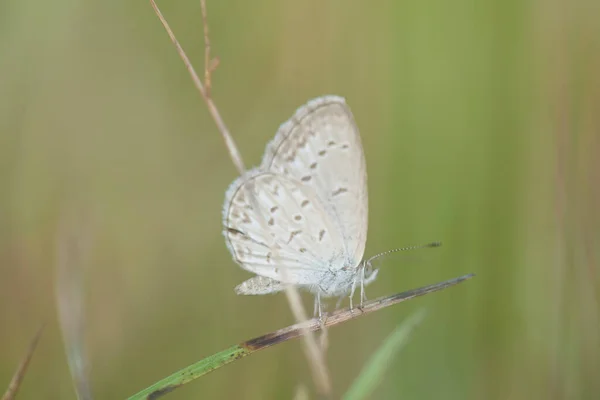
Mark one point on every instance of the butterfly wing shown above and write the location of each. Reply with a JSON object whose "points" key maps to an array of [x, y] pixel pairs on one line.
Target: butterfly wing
{"points": [[279, 229], [320, 146]]}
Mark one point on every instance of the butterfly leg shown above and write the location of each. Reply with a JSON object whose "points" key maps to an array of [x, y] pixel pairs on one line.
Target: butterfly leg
{"points": [[318, 311], [352, 289], [363, 297]]}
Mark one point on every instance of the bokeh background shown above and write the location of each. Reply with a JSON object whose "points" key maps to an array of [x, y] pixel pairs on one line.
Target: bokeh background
{"points": [[481, 127]]}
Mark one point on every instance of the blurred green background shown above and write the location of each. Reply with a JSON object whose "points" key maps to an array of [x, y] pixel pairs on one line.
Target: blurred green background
{"points": [[481, 127]]}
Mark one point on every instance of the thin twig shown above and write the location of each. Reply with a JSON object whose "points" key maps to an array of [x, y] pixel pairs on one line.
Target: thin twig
{"points": [[248, 347], [313, 351], [207, 61], [15, 383], [235, 155]]}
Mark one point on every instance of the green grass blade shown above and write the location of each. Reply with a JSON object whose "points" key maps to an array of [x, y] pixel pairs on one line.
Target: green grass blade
{"points": [[192, 372], [372, 373]]}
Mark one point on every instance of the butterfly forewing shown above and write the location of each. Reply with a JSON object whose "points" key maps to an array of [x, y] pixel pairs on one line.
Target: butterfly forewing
{"points": [[320, 147], [272, 222]]}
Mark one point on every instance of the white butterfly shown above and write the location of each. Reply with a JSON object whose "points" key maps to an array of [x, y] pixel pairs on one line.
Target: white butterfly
{"points": [[301, 217]]}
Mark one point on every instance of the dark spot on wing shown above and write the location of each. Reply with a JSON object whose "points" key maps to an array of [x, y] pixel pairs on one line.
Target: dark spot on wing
{"points": [[245, 237], [313, 165], [234, 231], [306, 178], [321, 234], [322, 152], [339, 191], [304, 203], [297, 217], [274, 208], [302, 250], [293, 235], [331, 143], [271, 221], [345, 146]]}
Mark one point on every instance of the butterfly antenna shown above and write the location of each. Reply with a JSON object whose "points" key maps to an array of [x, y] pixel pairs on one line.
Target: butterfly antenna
{"points": [[420, 246]]}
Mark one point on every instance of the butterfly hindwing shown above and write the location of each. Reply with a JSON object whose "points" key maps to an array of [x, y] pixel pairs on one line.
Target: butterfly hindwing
{"points": [[272, 223]]}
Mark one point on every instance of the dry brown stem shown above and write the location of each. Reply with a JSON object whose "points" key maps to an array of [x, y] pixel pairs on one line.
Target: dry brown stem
{"points": [[313, 351], [15, 383]]}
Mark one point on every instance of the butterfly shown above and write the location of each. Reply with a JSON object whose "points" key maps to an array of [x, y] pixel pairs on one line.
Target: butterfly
{"points": [[301, 217]]}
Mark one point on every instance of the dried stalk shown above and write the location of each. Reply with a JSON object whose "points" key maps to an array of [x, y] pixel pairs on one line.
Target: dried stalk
{"points": [[314, 352], [15, 383]]}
